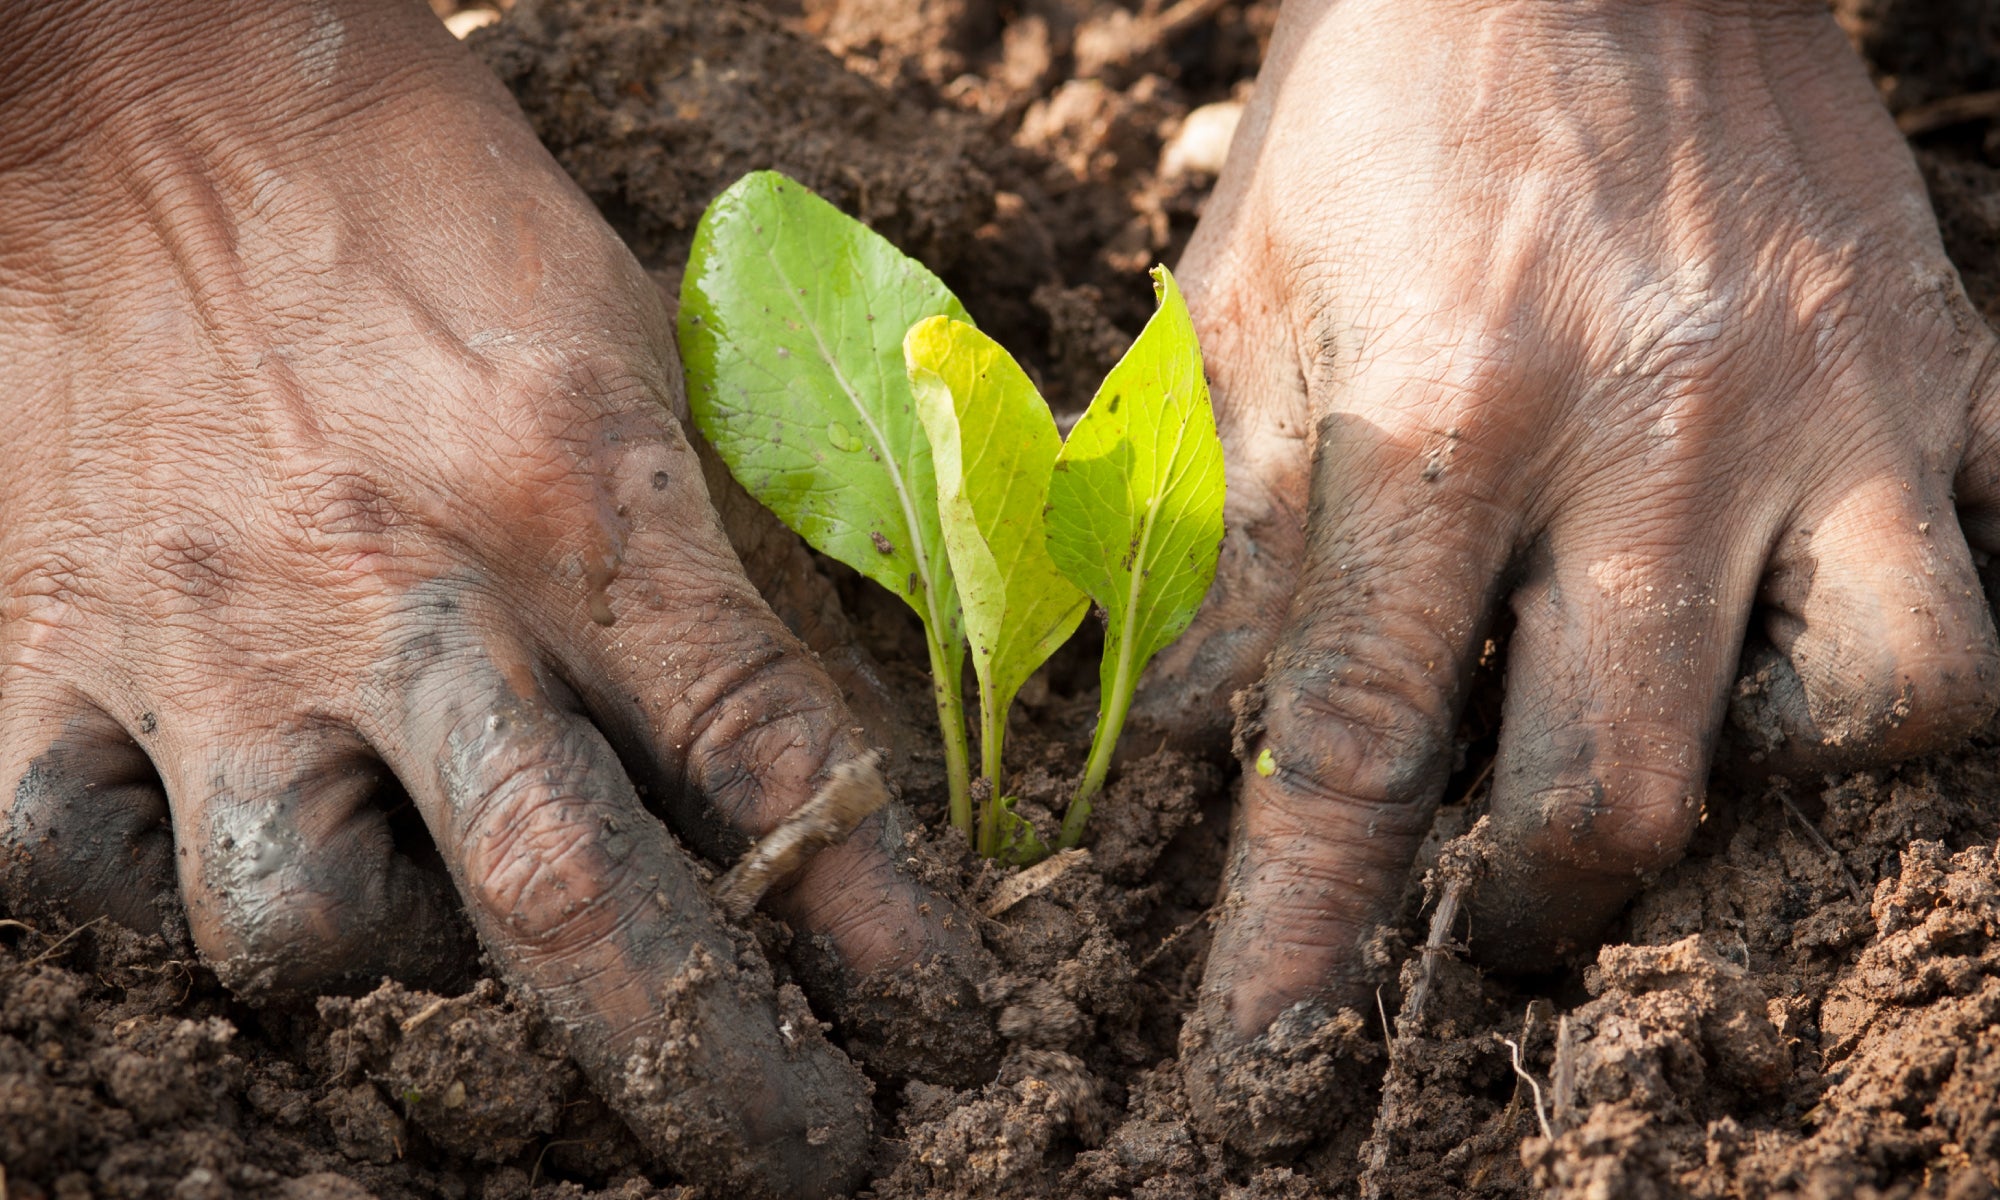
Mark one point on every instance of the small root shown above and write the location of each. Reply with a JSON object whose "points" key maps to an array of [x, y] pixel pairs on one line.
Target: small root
{"points": [[60, 942], [1818, 839], [1541, 1111], [852, 794], [1171, 940]]}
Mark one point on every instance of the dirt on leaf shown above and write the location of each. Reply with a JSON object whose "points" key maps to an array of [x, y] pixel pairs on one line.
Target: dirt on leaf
{"points": [[1807, 1006]]}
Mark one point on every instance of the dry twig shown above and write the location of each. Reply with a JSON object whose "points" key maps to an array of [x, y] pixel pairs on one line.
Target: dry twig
{"points": [[1388, 1035], [1562, 1077], [425, 1013], [1115, 42], [1018, 887], [1459, 866], [852, 794]]}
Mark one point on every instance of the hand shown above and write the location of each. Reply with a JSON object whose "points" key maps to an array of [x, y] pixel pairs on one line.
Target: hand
{"points": [[339, 463], [1632, 317]]}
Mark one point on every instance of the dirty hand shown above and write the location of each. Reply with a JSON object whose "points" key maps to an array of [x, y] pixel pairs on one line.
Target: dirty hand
{"points": [[337, 466], [1631, 317]]}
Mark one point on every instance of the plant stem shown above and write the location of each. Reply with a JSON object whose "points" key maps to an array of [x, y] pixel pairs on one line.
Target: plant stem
{"points": [[951, 725], [992, 736], [1110, 723]]}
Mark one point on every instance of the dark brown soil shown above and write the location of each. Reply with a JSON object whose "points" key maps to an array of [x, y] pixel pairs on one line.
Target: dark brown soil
{"points": [[1808, 1006]]}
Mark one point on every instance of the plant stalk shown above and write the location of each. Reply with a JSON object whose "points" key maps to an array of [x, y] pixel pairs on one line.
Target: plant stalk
{"points": [[992, 737], [951, 724], [1110, 724]]}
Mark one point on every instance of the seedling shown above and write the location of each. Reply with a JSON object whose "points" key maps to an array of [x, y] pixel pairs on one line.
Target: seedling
{"points": [[792, 318], [995, 445], [849, 392], [1135, 515]]}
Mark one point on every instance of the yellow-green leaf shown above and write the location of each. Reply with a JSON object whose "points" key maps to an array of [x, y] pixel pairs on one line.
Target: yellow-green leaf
{"points": [[994, 445], [1135, 510]]}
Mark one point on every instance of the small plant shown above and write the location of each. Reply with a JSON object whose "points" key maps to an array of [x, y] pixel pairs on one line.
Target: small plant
{"points": [[847, 390], [792, 318], [1135, 514], [995, 445]]}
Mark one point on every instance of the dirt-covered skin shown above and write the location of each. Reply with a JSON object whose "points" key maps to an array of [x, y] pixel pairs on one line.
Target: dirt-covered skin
{"points": [[1630, 320], [1855, 913], [344, 472]]}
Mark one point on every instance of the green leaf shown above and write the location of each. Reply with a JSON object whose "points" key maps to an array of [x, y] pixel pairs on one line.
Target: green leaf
{"points": [[791, 331], [995, 446], [1135, 511]]}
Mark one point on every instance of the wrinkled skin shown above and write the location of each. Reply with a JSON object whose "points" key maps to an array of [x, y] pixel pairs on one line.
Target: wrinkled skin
{"points": [[1631, 317], [342, 461]]}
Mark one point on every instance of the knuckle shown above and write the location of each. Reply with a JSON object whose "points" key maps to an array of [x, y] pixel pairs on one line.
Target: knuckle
{"points": [[767, 717], [1359, 736], [569, 445], [525, 465], [46, 581], [186, 567], [532, 849], [1623, 820], [338, 514], [1461, 375]]}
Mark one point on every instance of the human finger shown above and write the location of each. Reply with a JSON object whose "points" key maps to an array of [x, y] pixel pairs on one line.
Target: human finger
{"points": [[583, 898], [1261, 416], [1875, 606], [293, 882], [1626, 641], [730, 725], [83, 819], [1345, 752]]}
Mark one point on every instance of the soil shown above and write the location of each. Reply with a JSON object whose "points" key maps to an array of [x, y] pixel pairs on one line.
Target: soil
{"points": [[1807, 1006]]}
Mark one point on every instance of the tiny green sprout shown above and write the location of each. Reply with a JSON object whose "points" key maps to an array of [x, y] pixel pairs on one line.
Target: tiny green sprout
{"points": [[1135, 514], [791, 327], [1267, 763]]}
